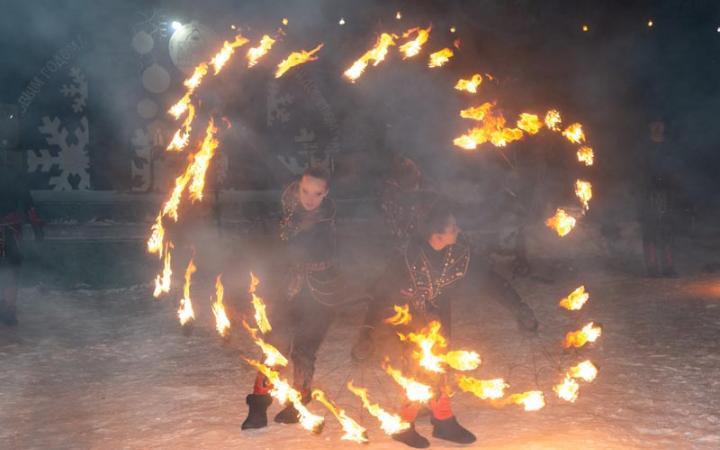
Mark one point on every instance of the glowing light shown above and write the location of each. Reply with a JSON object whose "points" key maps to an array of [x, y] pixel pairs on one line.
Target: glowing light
{"points": [[398, 15], [176, 25], [453, 29], [341, 21], [585, 28], [285, 21], [650, 23], [575, 300]]}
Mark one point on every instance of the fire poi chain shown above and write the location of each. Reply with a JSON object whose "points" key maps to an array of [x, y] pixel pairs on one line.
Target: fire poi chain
{"points": [[490, 128]]}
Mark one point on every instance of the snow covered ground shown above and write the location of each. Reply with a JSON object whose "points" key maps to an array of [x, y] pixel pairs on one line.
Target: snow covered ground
{"points": [[110, 368]]}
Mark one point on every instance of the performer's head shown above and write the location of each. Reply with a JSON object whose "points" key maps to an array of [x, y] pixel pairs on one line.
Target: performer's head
{"points": [[657, 131], [313, 188], [439, 227], [406, 174]]}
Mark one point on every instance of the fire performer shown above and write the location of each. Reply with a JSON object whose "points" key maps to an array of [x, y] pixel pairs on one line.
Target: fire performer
{"points": [[312, 290], [437, 266], [15, 199]]}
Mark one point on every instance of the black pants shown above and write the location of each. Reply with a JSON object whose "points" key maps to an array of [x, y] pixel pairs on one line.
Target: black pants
{"points": [[299, 327]]}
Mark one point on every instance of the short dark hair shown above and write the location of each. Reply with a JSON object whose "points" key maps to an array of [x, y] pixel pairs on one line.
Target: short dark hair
{"points": [[435, 218], [318, 172]]}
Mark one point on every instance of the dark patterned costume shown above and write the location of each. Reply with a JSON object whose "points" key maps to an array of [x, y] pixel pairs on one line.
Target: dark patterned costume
{"points": [[304, 313], [402, 208], [658, 219]]}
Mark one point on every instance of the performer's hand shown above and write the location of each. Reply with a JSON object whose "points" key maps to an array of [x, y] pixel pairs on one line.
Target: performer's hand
{"points": [[526, 319], [39, 232], [364, 347]]}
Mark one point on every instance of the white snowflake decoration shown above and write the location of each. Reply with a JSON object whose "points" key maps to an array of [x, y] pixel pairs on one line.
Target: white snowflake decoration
{"points": [[72, 159], [78, 90]]}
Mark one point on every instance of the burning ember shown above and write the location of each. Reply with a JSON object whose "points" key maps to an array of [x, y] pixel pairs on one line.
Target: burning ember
{"points": [[402, 316], [470, 85], [585, 155], [588, 333], [568, 390], [583, 191], [223, 56], [186, 313], [260, 314], [283, 392], [561, 222], [295, 59], [530, 400], [553, 120], [484, 389], [585, 371], [222, 323], [529, 123], [576, 299], [162, 282], [390, 423], [574, 133], [273, 357], [414, 390], [376, 55], [413, 47], [439, 58], [352, 430], [155, 242], [255, 53], [430, 337]]}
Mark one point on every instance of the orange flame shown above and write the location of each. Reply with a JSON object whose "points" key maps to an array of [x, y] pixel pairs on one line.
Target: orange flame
{"points": [[228, 48], [170, 208], [586, 371], [553, 120], [390, 423], [477, 112], [162, 281], [352, 430], [530, 400], [155, 242], [201, 161], [414, 390], [295, 59], [430, 337], [413, 47], [186, 313], [402, 316], [440, 57], [529, 123], [283, 392], [470, 85], [583, 191], [376, 55], [181, 138], [561, 222], [255, 53], [260, 314], [588, 333], [574, 133], [484, 389], [567, 390], [492, 130], [222, 323], [585, 155], [273, 357], [576, 299]]}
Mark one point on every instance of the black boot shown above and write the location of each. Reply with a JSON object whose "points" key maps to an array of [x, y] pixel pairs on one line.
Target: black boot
{"points": [[257, 412], [451, 430], [411, 438], [288, 415]]}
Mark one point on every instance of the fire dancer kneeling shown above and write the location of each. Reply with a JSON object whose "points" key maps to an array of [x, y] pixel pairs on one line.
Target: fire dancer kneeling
{"points": [[14, 198], [312, 288], [436, 267]]}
